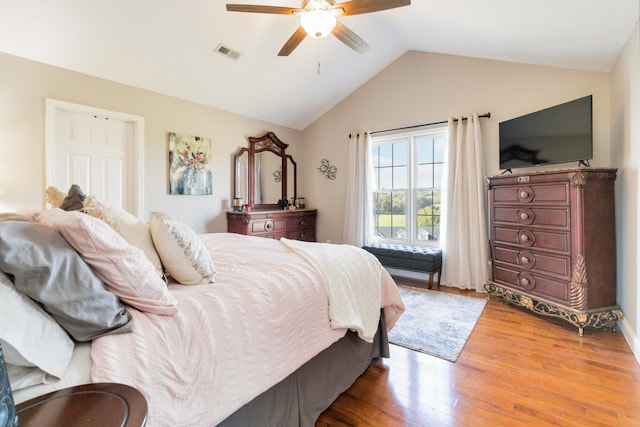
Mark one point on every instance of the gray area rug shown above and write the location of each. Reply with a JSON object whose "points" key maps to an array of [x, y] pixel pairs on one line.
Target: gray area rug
{"points": [[436, 323]]}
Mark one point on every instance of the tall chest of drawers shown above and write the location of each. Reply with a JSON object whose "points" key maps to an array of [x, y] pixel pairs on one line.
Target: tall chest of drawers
{"points": [[552, 239]]}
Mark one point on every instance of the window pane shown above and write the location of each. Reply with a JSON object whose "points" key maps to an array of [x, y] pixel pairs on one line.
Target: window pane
{"points": [[438, 169], [386, 178], [425, 176], [400, 177], [385, 155], [390, 215], [439, 145], [382, 203], [424, 149], [427, 215], [400, 155], [398, 215]]}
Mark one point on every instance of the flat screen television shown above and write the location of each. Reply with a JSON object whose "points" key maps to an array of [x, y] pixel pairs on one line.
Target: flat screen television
{"points": [[559, 134]]}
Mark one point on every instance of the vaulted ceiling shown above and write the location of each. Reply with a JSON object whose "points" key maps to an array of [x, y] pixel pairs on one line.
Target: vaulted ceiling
{"points": [[169, 46]]}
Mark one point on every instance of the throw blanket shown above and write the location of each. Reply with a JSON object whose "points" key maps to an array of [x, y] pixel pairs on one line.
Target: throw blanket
{"points": [[352, 279]]}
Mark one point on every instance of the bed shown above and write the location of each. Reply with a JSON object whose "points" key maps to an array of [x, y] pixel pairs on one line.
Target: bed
{"points": [[265, 333]]}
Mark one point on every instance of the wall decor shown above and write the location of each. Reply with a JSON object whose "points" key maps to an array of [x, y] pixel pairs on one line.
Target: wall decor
{"points": [[328, 170], [189, 165]]}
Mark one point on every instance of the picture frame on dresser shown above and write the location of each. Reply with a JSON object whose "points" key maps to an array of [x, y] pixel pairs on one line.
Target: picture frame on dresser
{"points": [[552, 242]]}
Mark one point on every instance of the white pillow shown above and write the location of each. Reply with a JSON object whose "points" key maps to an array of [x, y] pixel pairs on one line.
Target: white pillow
{"points": [[124, 268], [130, 227], [29, 336], [183, 254]]}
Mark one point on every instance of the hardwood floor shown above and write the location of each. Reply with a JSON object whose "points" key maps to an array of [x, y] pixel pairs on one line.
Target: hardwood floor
{"points": [[516, 369]]}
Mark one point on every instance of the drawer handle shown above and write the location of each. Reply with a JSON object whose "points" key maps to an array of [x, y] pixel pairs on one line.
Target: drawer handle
{"points": [[524, 215], [268, 225], [527, 281], [524, 238], [524, 194], [525, 260], [301, 236], [302, 223]]}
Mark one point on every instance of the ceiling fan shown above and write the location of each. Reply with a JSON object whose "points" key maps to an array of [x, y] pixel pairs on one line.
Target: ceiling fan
{"points": [[318, 19]]}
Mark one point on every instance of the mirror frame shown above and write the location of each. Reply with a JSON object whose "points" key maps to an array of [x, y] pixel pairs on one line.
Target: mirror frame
{"points": [[268, 142]]}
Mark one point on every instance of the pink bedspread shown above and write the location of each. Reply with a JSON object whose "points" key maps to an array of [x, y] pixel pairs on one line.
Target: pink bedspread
{"points": [[266, 315]]}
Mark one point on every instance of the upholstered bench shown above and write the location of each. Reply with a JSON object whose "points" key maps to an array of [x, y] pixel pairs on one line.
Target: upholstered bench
{"points": [[405, 257]]}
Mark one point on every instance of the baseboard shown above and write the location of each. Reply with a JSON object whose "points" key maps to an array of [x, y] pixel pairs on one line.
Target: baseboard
{"points": [[631, 338]]}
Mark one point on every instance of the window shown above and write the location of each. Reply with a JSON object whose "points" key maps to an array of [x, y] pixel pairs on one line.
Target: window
{"points": [[408, 176]]}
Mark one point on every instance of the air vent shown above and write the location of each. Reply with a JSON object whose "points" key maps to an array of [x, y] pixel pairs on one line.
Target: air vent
{"points": [[227, 51]]}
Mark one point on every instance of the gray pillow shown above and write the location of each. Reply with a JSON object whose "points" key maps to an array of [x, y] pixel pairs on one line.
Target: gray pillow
{"points": [[74, 199], [46, 269]]}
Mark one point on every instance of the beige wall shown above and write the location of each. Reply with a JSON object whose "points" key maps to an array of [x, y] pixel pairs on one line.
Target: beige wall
{"points": [[625, 152], [24, 87], [425, 87]]}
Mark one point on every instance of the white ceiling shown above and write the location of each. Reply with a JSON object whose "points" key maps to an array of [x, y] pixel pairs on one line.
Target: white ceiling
{"points": [[168, 46]]}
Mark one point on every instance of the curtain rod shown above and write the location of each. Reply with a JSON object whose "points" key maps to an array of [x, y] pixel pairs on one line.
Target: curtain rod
{"points": [[482, 116]]}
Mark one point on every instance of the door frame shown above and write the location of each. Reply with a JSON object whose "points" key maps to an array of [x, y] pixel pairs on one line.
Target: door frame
{"points": [[137, 166]]}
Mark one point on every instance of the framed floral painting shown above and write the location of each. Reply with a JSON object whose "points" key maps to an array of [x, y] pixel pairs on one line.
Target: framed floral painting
{"points": [[189, 165]]}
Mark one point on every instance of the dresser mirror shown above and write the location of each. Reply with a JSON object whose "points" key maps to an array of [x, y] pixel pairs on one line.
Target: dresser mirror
{"points": [[264, 173]]}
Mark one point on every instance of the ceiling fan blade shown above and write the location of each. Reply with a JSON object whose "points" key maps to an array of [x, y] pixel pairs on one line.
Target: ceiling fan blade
{"points": [[263, 9], [293, 42], [351, 39], [356, 7]]}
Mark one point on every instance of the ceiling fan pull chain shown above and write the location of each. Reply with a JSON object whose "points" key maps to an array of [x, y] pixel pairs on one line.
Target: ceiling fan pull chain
{"points": [[318, 56]]}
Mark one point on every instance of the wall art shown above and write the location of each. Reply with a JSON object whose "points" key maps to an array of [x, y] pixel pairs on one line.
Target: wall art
{"points": [[328, 170], [190, 165]]}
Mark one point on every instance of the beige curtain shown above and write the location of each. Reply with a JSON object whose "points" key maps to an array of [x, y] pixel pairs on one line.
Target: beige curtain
{"points": [[465, 247], [357, 212]]}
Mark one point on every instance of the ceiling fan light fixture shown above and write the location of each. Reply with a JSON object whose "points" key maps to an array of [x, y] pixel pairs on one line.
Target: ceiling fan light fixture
{"points": [[318, 23]]}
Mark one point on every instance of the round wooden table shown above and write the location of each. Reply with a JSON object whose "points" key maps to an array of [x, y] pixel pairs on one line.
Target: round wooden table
{"points": [[95, 405]]}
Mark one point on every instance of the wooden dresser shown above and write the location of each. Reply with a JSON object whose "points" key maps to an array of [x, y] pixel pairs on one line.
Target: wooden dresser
{"points": [[552, 240], [297, 224]]}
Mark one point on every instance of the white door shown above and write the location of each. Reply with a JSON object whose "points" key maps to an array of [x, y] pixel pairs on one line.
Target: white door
{"points": [[92, 152], [97, 151]]}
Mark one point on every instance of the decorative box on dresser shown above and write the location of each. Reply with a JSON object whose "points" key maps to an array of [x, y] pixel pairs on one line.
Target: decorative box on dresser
{"points": [[552, 240], [299, 224]]}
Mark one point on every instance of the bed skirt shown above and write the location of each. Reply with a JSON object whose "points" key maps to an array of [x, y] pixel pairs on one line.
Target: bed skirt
{"points": [[299, 399]]}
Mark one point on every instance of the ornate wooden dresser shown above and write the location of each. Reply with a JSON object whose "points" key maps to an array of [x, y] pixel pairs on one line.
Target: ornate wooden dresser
{"points": [[297, 224], [552, 240]]}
